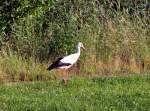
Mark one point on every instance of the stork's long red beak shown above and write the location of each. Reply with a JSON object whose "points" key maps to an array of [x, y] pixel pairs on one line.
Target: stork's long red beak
{"points": [[83, 47]]}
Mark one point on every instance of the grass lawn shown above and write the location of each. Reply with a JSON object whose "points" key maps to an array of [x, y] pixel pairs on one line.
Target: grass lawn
{"points": [[81, 94]]}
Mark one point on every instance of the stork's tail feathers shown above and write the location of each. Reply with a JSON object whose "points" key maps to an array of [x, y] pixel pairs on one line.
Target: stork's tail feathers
{"points": [[50, 68]]}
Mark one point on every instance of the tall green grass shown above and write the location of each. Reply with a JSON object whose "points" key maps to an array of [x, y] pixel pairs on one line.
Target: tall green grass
{"points": [[116, 37], [15, 69]]}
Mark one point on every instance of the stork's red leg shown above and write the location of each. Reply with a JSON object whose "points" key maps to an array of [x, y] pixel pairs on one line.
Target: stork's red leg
{"points": [[65, 76]]}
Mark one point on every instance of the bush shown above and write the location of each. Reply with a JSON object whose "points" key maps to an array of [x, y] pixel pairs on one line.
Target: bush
{"points": [[115, 34]]}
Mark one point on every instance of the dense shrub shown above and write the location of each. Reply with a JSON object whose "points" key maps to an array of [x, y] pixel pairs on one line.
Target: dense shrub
{"points": [[115, 33]]}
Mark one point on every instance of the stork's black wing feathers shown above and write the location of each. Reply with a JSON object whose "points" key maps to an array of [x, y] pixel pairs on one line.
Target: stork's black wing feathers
{"points": [[57, 64], [54, 64]]}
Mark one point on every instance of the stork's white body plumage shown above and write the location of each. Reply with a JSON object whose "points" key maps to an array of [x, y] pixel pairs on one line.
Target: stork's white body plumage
{"points": [[71, 59], [67, 61]]}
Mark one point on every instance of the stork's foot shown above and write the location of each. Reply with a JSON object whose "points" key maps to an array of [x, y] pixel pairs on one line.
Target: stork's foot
{"points": [[65, 82], [65, 79]]}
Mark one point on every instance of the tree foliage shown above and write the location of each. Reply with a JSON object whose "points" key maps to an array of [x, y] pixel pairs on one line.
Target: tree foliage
{"points": [[12, 10]]}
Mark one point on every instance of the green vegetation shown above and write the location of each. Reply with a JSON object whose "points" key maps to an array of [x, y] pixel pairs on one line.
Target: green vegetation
{"points": [[88, 94], [117, 39], [34, 33]]}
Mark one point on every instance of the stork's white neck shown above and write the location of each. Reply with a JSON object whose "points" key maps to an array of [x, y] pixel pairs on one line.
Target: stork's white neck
{"points": [[78, 50]]}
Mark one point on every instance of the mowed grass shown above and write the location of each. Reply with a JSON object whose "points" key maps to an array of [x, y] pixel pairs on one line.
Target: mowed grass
{"points": [[130, 93]]}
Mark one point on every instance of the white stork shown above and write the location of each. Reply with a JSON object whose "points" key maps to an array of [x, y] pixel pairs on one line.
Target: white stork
{"points": [[64, 63]]}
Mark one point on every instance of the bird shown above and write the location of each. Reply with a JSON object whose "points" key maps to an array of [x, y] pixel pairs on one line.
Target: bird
{"points": [[64, 63]]}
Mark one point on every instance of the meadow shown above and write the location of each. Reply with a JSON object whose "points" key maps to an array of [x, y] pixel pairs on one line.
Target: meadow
{"points": [[130, 93], [113, 74]]}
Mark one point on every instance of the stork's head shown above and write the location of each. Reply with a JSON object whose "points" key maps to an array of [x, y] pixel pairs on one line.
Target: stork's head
{"points": [[80, 45]]}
